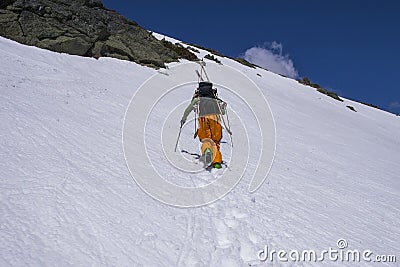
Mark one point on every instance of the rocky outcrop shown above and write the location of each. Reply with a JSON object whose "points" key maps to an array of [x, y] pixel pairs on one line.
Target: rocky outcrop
{"points": [[82, 27]]}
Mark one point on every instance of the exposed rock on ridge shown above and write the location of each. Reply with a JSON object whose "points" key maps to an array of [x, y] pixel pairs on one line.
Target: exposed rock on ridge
{"points": [[82, 27]]}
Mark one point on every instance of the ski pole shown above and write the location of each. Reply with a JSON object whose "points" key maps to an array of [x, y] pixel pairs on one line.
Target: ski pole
{"points": [[195, 125], [223, 120], [177, 140]]}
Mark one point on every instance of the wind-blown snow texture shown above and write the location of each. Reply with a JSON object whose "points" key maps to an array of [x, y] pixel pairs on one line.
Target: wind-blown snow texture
{"points": [[67, 197]]}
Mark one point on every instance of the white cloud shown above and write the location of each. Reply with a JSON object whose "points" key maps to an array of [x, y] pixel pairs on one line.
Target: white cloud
{"points": [[270, 56]]}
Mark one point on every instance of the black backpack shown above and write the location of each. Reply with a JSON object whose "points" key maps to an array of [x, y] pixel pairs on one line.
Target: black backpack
{"points": [[205, 90], [207, 99]]}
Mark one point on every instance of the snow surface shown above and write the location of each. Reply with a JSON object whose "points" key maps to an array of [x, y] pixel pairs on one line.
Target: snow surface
{"points": [[67, 197]]}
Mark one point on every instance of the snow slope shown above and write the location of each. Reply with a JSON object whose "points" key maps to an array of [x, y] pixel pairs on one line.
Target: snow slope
{"points": [[67, 197]]}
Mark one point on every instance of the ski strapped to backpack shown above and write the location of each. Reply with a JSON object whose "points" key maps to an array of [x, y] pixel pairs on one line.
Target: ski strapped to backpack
{"points": [[202, 70]]}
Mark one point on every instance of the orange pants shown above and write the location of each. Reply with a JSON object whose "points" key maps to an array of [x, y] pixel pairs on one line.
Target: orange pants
{"points": [[210, 134]]}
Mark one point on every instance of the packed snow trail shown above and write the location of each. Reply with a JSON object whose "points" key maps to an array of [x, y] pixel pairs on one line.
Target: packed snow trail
{"points": [[67, 197]]}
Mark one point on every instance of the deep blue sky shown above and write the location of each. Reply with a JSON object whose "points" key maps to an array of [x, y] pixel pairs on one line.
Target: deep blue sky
{"points": [[350, 47]]}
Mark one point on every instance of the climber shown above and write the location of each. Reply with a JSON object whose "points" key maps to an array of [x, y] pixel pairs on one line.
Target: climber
{"points": [[206, 104]]}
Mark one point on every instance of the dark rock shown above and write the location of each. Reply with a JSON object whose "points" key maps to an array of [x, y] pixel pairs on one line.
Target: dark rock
{"points": [[11, 29], [5, 3], [64, 44], [39, 27], [9, 24], [113, 47], [86, 28], [7, 16], [94, 3], [352, 108]]}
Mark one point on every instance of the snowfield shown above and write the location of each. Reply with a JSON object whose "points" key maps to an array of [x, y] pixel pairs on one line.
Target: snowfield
{"points": [[68, 198]]}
